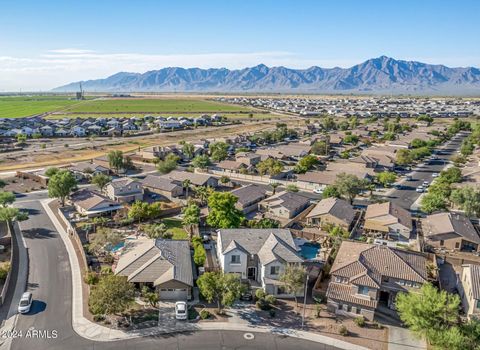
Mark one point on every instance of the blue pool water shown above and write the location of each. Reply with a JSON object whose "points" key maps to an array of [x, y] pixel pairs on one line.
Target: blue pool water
{"points": [[309, 250], [116, 247]]}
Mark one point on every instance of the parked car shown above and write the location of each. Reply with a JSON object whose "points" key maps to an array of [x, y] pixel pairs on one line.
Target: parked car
{"points": [[425, 184], [420, 189], [181, 310], [435, 175], [25, 303], [409, 177], [317, 190]]}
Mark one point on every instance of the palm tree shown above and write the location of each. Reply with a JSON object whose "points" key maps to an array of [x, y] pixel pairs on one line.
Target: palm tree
{"points": [[274, 186], [186, 185], [202, 193]]}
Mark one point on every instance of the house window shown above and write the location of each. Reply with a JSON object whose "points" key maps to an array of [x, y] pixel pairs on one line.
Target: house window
{"points": [[441, 243], [358, 310], [363, 290], [235, 259], [478, 304], [457, 245], [274, 270]]}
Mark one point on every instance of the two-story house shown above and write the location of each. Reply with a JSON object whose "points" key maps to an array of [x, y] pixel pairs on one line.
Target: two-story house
{"points": [[332, 211], [389, 219], [125, 190], [258, 255], [365, 277], [469, 290]]}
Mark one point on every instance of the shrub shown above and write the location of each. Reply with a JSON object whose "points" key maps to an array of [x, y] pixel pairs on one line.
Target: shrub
{"points": [[360, 321], [318, 310], [343, 331], [4, 272], [260, 294], [263, 305], [272, 313], [90, 278], [270, 299], [204, 314], [98, 318], [377, 325]]}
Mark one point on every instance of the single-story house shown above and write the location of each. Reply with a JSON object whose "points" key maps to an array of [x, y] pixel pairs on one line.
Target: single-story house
{"points": [[285, 205], [248, 197], [91, 204], [333, 211], [163, 186]]}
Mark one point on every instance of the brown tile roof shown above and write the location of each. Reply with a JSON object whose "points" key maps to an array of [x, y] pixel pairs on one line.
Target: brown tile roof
{"points": [[449, 225], [343, 292], [376, 211], [335, 207]]}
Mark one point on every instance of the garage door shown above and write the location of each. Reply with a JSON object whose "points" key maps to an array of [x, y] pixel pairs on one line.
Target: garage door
{"points": [[173, 294]]}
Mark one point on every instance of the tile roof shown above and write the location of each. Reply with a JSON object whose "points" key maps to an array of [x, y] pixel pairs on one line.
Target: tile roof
{"points": [[195, 178], [249, 194], [449, 225], [335, 207], [377, 211], [157, 261], [159, 183], [343, 292], [289, 200], [88, 200]]}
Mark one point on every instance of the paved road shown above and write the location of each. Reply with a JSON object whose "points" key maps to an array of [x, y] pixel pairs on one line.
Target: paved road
{"points": [[406, 196], [50, 281]]}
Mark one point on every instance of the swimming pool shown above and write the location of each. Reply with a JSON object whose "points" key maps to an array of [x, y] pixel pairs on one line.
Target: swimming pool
{"points": [[309, 250]]}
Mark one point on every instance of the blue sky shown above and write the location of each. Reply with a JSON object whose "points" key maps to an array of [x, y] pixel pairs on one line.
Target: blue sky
{"points": [[47, 43]]}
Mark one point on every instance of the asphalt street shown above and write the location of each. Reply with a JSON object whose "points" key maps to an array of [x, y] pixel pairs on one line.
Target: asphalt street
{"points": [[407, 195], [49, 279]]}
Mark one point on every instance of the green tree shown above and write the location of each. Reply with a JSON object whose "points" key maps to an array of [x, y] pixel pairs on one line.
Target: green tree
{"points": [[292, 188], [104, 238], [202, 193], [403, 157], [224, 180], [186, 186], [320, 148], [112, 295], [115, 160], [191, 216], [386, 178], [220, 288], [349, 186], [150, 296], [328, 123], [21, 139], [222, 211], [51, 171], [101, 180], [168, 164], [199, 253], [330, 191], [10, 214], [467, 148], [293, 279], [188, 150], [218, 151], [155, 231], [270, 166], [263, 223], [432, 202], [201, 161], [6, 198], [428, 311], [140, 211], [468, 199], [305, 164], [61, 185], [451, 175]]}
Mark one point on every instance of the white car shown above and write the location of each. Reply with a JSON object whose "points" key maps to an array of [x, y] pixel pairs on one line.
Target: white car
{"points": [[25, 303], [420, 189], [425, 183], [181, 310], [318, 190], [435, 175]]}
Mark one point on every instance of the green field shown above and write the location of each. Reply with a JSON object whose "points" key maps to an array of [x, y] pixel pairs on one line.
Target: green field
{"points": [[149, 105], [24, 106]]}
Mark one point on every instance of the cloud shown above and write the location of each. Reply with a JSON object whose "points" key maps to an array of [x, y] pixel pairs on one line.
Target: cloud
{"points": [[60, 66]]}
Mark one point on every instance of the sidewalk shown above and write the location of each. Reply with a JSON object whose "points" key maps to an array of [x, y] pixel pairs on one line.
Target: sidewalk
{"points": [[90, 330]]}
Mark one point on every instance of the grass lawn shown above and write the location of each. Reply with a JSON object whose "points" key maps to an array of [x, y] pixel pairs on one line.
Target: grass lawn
{"points": [[151, 105], [24, 106], [176, 228]]}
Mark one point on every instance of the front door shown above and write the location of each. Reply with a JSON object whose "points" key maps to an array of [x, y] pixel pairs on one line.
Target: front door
{"points": [[252, 273]]}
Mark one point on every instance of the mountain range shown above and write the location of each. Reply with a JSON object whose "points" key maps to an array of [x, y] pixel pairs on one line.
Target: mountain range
{"points": [[382, 75]]}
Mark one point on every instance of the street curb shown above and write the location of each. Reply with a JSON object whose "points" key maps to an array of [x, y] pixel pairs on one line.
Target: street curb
{"points": [[92, 331]]}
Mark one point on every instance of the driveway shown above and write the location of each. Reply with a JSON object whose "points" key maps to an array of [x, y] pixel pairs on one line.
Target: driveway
{"points": [[402, 339]]}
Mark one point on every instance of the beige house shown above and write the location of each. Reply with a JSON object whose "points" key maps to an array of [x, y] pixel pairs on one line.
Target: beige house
{"points": [[285, 205], [248, 197], [451, 232], [92, 204], [162, 186], [161, 263], [365, 277], [125, 190], [469, 290], [390, 219], [332, 211], [248, 158]]}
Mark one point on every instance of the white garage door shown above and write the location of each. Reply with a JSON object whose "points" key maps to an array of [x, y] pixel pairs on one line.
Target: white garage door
{"points": [[173, 294]]}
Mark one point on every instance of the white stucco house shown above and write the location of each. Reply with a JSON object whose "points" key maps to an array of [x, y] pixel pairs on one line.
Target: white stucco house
{"points": [[259, 256]]}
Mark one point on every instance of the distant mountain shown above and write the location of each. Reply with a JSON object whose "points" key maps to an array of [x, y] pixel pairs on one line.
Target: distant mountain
{"points": [[377, 75]]}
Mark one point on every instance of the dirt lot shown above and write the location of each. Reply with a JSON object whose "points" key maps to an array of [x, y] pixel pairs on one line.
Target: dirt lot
{"points": [[65, 155]]}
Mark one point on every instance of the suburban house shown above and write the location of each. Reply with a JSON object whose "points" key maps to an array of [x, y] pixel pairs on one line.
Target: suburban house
{"points": [[333, 211], [248, 197], [390, 219], [285, 205], [248, 158], [83, 170], [161, 263], [162, 186], [258, 255], [469, 289], [124, 190], [450, 231], [92, 204], [365, 277], [196, 179], [232, 166]]}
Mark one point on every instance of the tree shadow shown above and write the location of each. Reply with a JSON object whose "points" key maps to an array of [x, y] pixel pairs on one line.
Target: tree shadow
{"points": [[38, 233]]}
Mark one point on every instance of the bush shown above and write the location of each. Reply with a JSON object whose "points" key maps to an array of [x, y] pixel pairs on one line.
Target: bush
{"points": [[260, 294], [318, 310], [343, 331], [270, 299], [377, 325], [4, 272], [90, 278], [272, 313], [204, 314], [263, 305], [98, 318], [360, 321]]}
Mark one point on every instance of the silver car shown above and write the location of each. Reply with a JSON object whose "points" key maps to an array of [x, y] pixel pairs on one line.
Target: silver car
{"points": [[25, 303]]}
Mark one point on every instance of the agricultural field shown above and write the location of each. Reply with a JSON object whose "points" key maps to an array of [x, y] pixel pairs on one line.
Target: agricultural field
{"points": [[151, 105], [24, 106]]}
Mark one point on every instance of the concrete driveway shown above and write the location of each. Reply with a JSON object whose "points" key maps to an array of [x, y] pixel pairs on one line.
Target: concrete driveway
{"points": [[402, 339]]}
